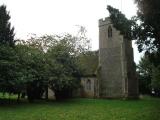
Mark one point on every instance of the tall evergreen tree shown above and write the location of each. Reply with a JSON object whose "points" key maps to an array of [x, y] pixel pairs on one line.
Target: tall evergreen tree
{"points": [[121, 23], [6, 31]]}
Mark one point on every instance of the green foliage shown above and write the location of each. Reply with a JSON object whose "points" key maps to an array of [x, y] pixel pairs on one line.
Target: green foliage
{"points": [[54, 66], [148, 34], [156, 78], [20, 67], [31, 62], [6, 32], [7, 68], [148, 75], [42, 43], [31, 69], [37, 65], [121, 23], [62, 69], [8, 64], [148, 30], [144, 75], [80, 43], [39, 62]]}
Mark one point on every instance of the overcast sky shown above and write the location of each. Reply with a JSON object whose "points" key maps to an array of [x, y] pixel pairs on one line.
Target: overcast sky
{"points": [[60, 16]]}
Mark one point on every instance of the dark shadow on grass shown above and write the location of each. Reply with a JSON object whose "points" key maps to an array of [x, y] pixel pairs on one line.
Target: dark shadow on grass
{"points": [[4, 102]]}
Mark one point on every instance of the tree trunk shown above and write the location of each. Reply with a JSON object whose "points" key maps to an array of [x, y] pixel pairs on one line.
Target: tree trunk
{"points": [[18, 98], [46, 93]]}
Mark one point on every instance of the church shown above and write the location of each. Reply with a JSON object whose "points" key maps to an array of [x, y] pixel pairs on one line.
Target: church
{"points": [[115, 76]]}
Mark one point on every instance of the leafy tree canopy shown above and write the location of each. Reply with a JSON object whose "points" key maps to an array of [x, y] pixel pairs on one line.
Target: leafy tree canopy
{"points": [[8, 68], [148, 30], [63, 72], [6, 31], [144, 72], [148, 75]]}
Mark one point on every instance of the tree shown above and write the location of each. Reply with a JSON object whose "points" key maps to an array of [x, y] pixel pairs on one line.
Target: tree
{"points": [[156, 80], [21, 70], [148, 76], [57, 68], [148, 31], [144, 70], [7, 68], [62, 69], [30, 75], [6, 32], [8, 56], [81, 41], [121, 23]]}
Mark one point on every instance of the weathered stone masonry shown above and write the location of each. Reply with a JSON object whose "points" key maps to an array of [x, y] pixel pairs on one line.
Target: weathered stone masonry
{"points": [[116, 74], [117, 70]]}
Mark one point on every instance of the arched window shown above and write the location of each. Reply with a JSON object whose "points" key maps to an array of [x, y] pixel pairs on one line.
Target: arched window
{"points": [[88, 84], [109, 32]]}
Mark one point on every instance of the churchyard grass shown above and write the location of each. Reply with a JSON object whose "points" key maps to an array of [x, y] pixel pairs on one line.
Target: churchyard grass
{"points": [[147, 108]]}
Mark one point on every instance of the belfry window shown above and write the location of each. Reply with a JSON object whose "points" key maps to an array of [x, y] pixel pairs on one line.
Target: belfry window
{"points": [[109, 32]]}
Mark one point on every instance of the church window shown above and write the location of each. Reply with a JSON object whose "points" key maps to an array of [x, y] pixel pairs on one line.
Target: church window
{"points": [[88, 84], [109, 32]]}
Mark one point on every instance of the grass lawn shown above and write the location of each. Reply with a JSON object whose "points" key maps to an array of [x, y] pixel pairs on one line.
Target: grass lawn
{"points": [[84, 109]]}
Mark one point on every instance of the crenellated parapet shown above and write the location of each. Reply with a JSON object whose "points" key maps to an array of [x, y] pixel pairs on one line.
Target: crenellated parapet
{"points": [[104, 21]]}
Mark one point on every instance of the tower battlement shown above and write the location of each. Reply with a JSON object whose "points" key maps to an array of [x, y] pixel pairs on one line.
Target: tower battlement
{"points": [[104, 21]]}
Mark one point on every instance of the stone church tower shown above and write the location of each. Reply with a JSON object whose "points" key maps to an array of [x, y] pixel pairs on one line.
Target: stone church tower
{"points": [[117, 75]]}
